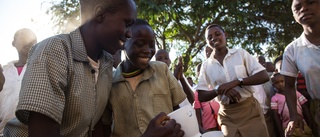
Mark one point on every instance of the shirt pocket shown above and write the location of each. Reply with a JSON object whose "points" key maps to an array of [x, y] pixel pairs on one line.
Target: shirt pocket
{"points": [[241, 71], [162, 103]]}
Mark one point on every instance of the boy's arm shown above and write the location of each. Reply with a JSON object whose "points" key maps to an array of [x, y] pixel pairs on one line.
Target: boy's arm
{"points": [[199, 117], [2, 79], [291, 99], [187, 89], [99, 130], [42, 126], [278, 122]]}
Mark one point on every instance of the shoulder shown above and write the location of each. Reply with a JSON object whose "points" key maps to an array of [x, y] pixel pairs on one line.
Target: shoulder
{"points": [[158, 65]]}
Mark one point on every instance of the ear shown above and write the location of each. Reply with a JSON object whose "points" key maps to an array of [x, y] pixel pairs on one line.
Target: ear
{"points": [[99, 13], [226, 34]]}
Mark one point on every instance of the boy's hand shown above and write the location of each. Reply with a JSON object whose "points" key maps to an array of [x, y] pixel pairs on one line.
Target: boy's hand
{"points": [[296, 122], [163, 126]]}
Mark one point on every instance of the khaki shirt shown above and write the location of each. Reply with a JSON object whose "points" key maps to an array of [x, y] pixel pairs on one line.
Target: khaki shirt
{"points": [[157, 91], [59, 84]]}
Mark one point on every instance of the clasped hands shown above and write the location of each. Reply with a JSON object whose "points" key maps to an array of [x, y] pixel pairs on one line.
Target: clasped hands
{"points": [[228, 90]]}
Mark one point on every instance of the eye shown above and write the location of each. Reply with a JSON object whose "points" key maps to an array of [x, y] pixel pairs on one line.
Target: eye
{"points": [[129, 23]]}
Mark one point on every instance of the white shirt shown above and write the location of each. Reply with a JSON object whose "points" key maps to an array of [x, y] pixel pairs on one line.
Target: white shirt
{"points": [[301, 55], [260, 95], [238, 63], [9, 96]]}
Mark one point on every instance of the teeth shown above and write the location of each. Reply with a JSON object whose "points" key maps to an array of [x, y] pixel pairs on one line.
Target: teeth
{"points": [[144, 59], [215, 43]]}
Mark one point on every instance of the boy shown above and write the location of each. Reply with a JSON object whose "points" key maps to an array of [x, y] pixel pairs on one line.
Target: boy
{"points": [[280, 109], [302, 55], [141, 88], [68, 80]]}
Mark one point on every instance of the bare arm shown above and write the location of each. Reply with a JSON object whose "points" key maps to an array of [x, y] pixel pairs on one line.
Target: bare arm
{"points": [[291, 99], [178, 74], [2, 79], [187, 89], [42, 126], [98, 130], [206, 95], [278, 123], [256, 79]]}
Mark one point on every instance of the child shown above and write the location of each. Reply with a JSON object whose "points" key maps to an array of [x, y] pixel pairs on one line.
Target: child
{"points": [[302, 55], [281, 112], [141, 88], [231, 72], [13, 72]]}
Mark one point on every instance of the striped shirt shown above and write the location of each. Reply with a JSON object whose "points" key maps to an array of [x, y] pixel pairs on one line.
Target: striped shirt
{"points": [[59, 84]]}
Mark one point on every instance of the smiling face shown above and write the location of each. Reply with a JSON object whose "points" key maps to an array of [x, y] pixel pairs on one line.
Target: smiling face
{"points": [[216, 37], [114, 28], [140, 48], [306, 12]]}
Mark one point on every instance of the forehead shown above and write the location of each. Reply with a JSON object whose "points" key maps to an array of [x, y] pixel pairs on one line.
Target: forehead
{"points": [[213, 30], [142, 30], [162, 53]]}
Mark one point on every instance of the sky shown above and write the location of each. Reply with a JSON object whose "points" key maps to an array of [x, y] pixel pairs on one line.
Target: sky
{"points": [[17, 14]]}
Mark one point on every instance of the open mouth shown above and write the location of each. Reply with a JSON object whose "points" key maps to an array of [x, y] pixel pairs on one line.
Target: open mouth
{"points": [[144, 59]]}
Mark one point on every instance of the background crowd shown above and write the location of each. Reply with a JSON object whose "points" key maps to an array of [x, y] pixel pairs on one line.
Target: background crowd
{"points": [[77, 85]]}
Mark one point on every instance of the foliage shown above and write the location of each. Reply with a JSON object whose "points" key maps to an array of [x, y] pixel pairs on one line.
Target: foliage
{"points": [[180, 24]]}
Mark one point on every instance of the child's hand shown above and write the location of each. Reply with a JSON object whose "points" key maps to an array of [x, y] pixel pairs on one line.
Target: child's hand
{"points": [[163, 126], [296, 123]]}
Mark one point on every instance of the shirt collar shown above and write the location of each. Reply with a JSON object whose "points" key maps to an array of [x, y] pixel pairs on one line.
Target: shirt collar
{"points": [[306, 42], [146, 74], [230, 52], [80, 53]]}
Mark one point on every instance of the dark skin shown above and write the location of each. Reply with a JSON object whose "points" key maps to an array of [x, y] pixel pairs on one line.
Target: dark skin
{"points": [[91, 31], [2, 79], [278, 82], [216, 38], [138, 52], [307, 14], [163, 56]]}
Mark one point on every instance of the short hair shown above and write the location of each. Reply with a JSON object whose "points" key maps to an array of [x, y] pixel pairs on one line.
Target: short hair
{"points": [[140, 22], [214, 25], [111, 6], [275, 75]]}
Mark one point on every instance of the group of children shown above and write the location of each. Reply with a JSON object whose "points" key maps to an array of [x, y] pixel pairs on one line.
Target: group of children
{"points": [[69, 88]]}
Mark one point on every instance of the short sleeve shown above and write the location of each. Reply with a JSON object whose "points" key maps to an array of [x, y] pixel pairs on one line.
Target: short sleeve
{"points": [[252, 65], [203, 80], [274, 104], [196, 104], [288, 66], [301, 98], [44, 82], [177, 93]]}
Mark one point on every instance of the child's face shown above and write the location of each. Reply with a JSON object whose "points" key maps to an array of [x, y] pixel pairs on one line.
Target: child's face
{"points": [[163, 56], [216, 38], [306, 12], [278, 82], [208, 51], [141, 47]]}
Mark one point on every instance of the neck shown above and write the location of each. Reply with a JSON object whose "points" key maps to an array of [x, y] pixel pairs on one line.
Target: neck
{"points": [[91, 46], [313, 33], [22, 61], [221, 52]]}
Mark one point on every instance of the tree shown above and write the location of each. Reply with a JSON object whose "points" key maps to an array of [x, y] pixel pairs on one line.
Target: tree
{"points": [[181, 24]]}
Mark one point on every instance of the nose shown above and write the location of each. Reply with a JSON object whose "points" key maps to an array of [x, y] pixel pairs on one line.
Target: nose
{"points": [[304, 7]]}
